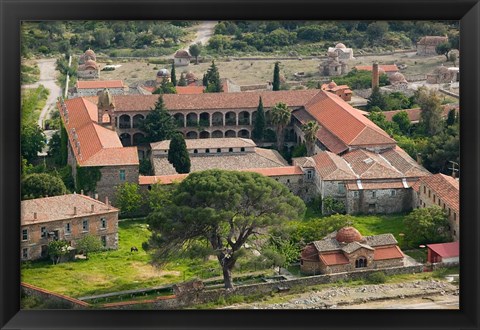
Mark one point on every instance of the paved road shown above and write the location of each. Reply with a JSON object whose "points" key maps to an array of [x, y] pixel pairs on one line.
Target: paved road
{"points": [[49, 80]]}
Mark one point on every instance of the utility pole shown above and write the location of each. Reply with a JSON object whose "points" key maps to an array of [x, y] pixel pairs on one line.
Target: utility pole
{"points": [[453, 168]]}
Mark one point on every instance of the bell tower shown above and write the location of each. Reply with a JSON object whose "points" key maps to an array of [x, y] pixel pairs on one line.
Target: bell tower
{"points": [[106, 108]]}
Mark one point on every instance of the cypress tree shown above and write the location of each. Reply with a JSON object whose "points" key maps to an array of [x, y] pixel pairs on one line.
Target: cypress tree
{"points": [[159, 125], [276, 77], [259, 128], [173, 75], [182, 81], [178, 154], [213, 82], [376, 99]]}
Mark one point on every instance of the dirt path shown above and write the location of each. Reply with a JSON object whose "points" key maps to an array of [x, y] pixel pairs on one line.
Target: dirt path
{"points": [[425, 294], [49, 80], [204, 32]]}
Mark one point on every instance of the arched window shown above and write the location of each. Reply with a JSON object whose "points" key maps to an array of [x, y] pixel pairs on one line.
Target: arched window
{"points": [[242, 149], [361, 262], [195, 151]]}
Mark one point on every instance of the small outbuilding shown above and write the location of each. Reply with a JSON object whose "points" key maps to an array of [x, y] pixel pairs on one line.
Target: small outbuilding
{"points": [[443, 252], [181, 58]]}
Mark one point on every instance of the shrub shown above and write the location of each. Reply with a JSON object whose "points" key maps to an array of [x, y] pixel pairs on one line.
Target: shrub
{"points": [[376, 278]]}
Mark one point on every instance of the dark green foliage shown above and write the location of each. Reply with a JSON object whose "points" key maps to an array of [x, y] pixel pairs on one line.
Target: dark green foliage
{"points": [[332, 205], [87, 178], [316, 229], [376, 99], [452, 117], [39, 185], [376, 278], [195, 51], [259, 128], [225, 209], [276, 77], [173, 75], [145, 167], [281, 116], [212, 80], [443, 49], [426, 226], [88, 243], [32, 141], [376, 31], [159, 125], [442, 148], [166, 87], [299, 150], [403, 122], [431, 114], [128, 198], [178, 154], [182, 81], [360, 79], [57, 249]]}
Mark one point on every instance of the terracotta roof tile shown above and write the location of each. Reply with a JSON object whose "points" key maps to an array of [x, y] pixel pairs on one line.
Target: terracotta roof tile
{"points": [[414, 114], [369, 165], [445, 187], [336, 258], [85, 84], [332, 167], [446, 250], [402, 161], [207, 143], [432, 40], [189, 89], [345, 122], [61, 207], [392, 252]]}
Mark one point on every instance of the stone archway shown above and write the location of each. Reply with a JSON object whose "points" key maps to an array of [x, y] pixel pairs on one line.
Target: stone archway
{"points": [[126, 139], [243, 133], [192, 119], [204, 135], [244, 118], [124, 121], [230, 134], [217, 119], [179, 119], [191, 135], [138, 138], [217, 134], [137, 120], [204, 119], [230, 119]]}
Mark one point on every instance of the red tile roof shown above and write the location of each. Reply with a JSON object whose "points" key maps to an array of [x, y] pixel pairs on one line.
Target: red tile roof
{"points": [[337, 258], [84, 84], [390, 252], [61, 207], [432, 40], [445, 187], [189, 89], [414, 114], [402, 161], [385, 67], [91, 142], [369, 165], [332, 167], [345, 122], [273, 171], [446, 250], [370, 185]]}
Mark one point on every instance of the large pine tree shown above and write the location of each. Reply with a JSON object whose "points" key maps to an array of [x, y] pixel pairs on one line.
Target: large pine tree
{"points": [[183, 80], [159, 125], [259, 128], [276, 77], [376, 99], [178, 154], [212, 80]]}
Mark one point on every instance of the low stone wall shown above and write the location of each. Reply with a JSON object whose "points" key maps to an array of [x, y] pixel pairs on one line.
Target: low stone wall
{"points": [[73, 303], [205, 296]]}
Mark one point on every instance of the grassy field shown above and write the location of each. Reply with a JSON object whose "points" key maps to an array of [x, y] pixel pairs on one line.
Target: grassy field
{"points": [[246, 72], [112, 271]]}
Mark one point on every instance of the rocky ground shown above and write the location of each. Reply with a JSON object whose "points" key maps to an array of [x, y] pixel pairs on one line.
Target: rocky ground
{"points": [[426, 294]]}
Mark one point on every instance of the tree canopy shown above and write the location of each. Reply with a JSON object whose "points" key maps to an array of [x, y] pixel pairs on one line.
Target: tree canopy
{"points": [[195, 51], [39, 185], [225, 209], [212, 80], [426, 225], [178, 154], [276, 77], [128, 198], [310, 130], [431, 114], [281, 116], [159, 125]]}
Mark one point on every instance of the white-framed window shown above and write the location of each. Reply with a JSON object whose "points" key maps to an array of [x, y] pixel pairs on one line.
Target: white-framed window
{"points": [[68, 228], [103, 223], [393, 193], [25, 253], [43, 231], [309, 174], [25, 235], [122, 175], [85, 225]]}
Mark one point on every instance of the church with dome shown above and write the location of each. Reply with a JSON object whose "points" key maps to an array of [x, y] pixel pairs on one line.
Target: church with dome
{"points": [[347, 250]]}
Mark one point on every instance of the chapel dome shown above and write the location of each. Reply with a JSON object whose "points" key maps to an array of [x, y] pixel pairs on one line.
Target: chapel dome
{"points": [[90, 64], [182, 54], [89, 52], [332, 84], [397, 77], [348, 235], [340, 45], [163, 73]]}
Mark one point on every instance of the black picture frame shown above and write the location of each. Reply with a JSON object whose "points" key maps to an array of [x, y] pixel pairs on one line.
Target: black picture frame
{"points": [[12, 12]]}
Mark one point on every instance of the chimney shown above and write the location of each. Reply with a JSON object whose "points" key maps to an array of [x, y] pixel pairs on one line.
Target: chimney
{"points": [[93, 208], [81, 192], [96, 196], [106, 202], [34, 215], [375, 77], [74, 210]]}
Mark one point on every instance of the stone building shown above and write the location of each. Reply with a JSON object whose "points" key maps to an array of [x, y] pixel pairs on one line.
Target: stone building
{"points": [[443, 191], [88, 68], [341, 51], [91, 88], [161, 75], [333, 66], [342, 91], [398, 82], [365, 181], [427, 45], [347, 250], [94, 145], [66, 217], [89, 55], [181, 58], [442, 75]]}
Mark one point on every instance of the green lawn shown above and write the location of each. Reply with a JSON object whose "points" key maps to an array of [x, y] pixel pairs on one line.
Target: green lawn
{"points": [[114, 270]]}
